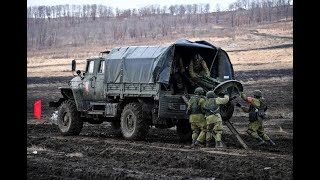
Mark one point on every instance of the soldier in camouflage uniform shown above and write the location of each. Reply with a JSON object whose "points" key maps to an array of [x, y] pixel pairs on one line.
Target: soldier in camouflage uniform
{"points": [[255, 128], [200, 73], [177, 74], [196, 117], [213, 117]]}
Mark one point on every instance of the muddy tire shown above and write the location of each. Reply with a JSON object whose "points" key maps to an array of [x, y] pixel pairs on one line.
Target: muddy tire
{"points": [[133, 126], [69, 120], [227, 110], [116, 128], [184, 130]]}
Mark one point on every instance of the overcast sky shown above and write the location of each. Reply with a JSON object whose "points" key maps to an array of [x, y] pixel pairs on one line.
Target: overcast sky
{"points": [[130, 4]]}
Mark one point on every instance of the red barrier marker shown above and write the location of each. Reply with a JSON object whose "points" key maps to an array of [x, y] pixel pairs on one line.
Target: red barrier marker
{"points": [[37, 109]]}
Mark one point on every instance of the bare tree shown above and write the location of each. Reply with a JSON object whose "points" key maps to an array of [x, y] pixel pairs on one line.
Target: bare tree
{"points": [[217, 13], [48, 12], [172, 9], [206, 11], [182, 10], [133, 29], [164, 10], [194, 12], [232, 10], [53, 26], [270, 6], [189, 12], [288, 8], [258, 11], [252, 7]]}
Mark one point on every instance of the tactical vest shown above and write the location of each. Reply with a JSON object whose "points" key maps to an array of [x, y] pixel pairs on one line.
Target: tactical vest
{"points": [[194, 103], [211, 106], [255, 112]]}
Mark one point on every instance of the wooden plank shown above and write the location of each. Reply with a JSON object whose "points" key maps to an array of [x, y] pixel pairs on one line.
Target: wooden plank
{"points": [[235, 132]]}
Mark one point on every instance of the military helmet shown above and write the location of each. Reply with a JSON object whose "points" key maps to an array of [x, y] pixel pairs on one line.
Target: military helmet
{"points": [[257, 93], [210, 94], [199, 91]]}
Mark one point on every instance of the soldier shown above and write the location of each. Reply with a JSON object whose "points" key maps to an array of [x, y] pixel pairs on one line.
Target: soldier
{"points": [[196, 117], [177, 75], [257, 105], [213, 117], [200, 73]]}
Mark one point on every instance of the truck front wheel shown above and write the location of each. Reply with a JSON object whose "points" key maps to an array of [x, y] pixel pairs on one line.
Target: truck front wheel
{"points": [[133, 126], [69, 120]]}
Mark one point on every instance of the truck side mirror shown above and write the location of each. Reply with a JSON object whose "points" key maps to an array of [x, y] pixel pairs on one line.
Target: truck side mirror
{"points": [[73, 65]]}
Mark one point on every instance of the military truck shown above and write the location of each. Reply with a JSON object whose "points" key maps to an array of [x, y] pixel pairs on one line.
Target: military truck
{"points": [[133, 88]]}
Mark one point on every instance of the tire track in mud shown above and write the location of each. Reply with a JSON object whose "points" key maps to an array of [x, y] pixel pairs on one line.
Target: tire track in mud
{"points": [[183, 148], [140, 161]]}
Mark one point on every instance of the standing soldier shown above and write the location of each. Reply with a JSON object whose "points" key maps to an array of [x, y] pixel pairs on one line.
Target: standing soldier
{"points": [[256, 111], [213, 117], [196, 117]]}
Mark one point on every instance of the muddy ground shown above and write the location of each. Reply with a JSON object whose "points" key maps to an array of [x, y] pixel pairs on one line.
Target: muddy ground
{"points": [[97, 154]]}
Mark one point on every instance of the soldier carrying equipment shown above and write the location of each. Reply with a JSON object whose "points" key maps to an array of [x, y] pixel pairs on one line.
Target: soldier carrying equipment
{"points": [[213, 118], [196, 118], [256, 112]]}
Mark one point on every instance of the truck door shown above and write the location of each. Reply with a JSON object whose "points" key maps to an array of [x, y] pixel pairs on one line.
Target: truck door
{"points": [[98, 90], [89, 81]]}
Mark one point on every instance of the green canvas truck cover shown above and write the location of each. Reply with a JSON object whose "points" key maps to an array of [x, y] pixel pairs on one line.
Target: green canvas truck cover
{"points": [[146, 64]]}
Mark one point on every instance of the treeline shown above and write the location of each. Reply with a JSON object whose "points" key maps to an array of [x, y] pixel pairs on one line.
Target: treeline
{"points": [[76, 25]]}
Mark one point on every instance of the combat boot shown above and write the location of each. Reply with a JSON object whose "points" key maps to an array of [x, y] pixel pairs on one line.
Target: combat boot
{"points": [[193, 143], [270, 142], [209, 144], [219, 144], [261, 141], [198, 143]]}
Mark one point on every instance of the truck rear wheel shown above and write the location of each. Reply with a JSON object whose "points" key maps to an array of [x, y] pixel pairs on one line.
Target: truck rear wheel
{"points": [[226, 111], [184, 130], [69, 120], [133, 126]]}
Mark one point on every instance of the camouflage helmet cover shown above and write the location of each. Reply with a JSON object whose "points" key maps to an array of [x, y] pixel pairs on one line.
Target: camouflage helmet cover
{"points": [[210, 94], [199, 91], [257, 93]]}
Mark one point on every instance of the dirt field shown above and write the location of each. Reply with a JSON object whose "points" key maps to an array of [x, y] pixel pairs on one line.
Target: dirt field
{"points": [[265, 63]]}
